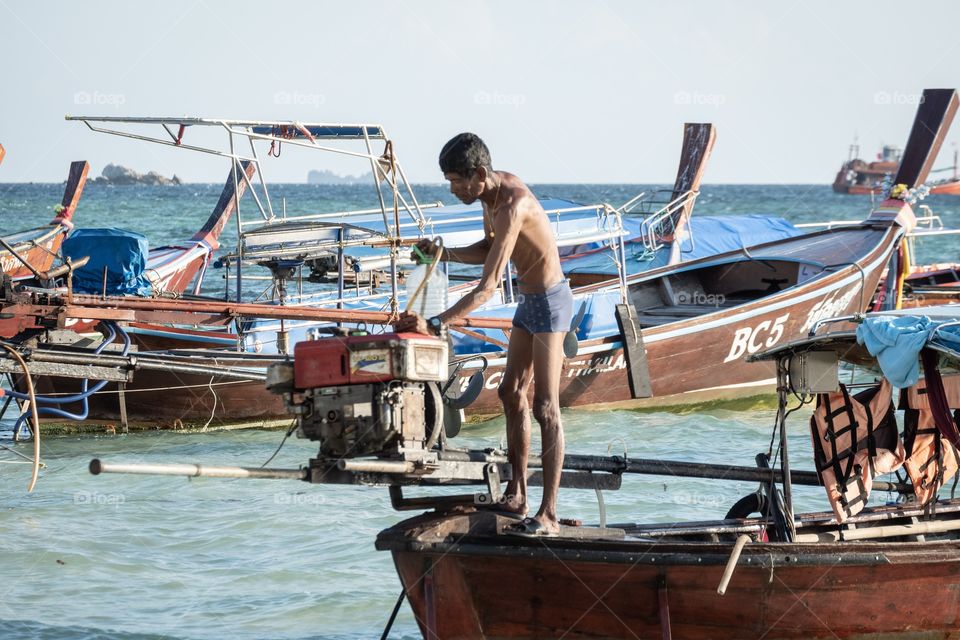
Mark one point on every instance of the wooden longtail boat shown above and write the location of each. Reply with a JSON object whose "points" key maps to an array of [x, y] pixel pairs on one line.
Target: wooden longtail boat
{"points": [[39, 246], [856, 572], [464, 579]]}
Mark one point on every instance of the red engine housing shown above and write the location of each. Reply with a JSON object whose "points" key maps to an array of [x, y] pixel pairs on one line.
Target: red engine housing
{"points": [[337, 361]]}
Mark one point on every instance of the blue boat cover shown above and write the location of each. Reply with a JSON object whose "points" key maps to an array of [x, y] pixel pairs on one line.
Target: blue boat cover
{"points": [[122, 253], [712, 235]]}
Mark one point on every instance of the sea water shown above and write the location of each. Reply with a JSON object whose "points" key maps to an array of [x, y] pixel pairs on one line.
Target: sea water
{"points": [[117, 557]]}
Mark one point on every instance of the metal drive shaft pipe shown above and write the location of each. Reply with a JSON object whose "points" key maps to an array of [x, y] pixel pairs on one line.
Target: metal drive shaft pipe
{"points": [[98, 466]]}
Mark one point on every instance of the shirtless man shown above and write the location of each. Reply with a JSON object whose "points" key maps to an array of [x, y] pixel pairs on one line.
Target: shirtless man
{"points": [[515, 228]]}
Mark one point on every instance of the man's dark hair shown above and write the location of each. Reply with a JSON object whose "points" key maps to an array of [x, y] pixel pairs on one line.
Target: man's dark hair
{"points": [[464, 154]]}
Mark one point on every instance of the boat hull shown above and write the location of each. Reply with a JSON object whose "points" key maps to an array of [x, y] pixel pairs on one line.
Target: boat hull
{"points": [[39, 251], [485, 585]]}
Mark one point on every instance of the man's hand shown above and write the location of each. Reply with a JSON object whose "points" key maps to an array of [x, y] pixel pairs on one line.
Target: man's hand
{"points": [[411, 322], [427, 247]]}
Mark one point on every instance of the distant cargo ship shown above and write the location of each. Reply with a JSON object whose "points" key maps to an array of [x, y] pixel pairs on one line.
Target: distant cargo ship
{"points": [[859, 177]]}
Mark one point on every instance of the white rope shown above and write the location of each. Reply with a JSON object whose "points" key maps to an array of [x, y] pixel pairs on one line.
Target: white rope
{"points": [[213, 411]]}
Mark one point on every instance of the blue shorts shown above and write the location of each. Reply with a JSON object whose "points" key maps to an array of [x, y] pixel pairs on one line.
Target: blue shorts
{"points": [[547, 312]]}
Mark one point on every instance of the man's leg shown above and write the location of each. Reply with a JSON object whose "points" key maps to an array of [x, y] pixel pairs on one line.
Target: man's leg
{"points": [[547, 366], [513, 394]]}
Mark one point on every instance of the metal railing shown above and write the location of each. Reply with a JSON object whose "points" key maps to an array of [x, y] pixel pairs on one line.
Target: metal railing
{"points": [[661, 223], [927, 224]]}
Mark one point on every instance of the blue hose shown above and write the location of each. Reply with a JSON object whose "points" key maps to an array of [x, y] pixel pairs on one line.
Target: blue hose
{"points": [[84, 394]]}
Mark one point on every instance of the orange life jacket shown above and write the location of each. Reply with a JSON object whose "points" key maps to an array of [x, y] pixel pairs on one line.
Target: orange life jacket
{"points": [[931, 459], [855, 439]]}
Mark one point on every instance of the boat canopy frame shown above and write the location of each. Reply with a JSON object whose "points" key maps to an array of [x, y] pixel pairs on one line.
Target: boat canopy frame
{"points": [[384, 165], [391, 184]]}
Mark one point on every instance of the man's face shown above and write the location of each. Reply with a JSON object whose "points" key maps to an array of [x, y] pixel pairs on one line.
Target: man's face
{"points": [[466, 188]]}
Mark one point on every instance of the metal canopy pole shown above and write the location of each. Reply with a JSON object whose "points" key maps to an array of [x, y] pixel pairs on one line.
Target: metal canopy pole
{"points": [[377, 171], [263, 183], [413, 195], [340, 282], [621, 248], [236, 189], [394, 235]]}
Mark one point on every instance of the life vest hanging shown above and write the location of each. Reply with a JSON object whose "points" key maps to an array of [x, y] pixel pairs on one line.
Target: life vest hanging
{"points": [[855, 439], [931, 459]]}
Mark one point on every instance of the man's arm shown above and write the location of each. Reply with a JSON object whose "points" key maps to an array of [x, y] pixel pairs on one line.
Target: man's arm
{"points": [[475, 253], [506, 231]]}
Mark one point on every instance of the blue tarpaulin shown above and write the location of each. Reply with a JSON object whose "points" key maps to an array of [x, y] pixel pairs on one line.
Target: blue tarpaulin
{"points": [[122, 253], [712, 235]]}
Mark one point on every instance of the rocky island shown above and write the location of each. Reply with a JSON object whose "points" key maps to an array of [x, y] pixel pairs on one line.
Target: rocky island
{"points": [[118, 175], [325, 176]]}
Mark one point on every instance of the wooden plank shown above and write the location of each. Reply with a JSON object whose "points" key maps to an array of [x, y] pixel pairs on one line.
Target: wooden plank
{"points": [[92, 313], [60, 370], [82, 304], [934, 116], [638, 373]]}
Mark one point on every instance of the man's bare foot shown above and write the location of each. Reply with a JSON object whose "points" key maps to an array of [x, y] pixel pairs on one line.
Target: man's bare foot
{"points": [[538, 527], [514, 500], [510, 503], [550, 525]]}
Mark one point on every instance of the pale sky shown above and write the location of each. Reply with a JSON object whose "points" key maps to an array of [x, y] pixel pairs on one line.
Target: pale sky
{"points": [[590, 91]]}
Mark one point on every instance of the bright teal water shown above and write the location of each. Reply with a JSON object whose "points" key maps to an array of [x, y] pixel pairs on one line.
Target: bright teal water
{"points": [[116, 557]]}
